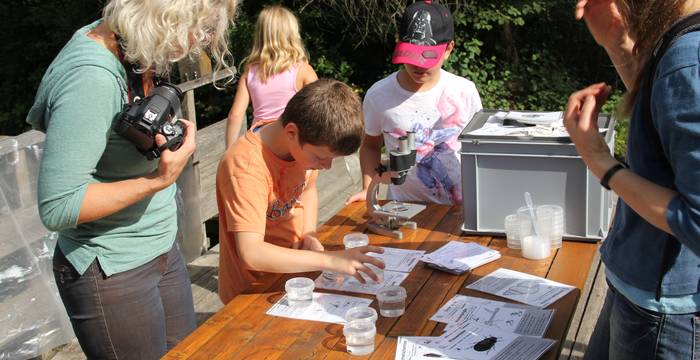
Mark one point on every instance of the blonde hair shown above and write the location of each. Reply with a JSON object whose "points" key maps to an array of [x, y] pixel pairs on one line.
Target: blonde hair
{"points": [[157, 33], [277, 45]]}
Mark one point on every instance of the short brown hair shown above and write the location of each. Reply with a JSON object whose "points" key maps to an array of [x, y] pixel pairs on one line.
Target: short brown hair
{"points": [[327, 113]]}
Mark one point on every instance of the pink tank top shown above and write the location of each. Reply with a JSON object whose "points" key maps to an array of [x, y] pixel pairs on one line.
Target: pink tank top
{"points": [[270, 98]]}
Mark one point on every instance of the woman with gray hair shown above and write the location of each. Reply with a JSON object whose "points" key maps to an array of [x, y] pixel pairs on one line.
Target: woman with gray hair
{"points": [[652, 253], [118, 269]]}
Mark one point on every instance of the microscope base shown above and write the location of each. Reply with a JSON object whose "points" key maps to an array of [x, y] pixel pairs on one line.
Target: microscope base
{"points": [[382, 229]]}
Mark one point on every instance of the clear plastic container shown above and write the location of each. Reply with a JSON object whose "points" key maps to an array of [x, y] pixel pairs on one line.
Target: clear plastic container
{"points": [[361, 313], [377, 270], [359, 337], [333, 276], [355, 239], [392, 301], [512, 228], [300, 291], [550, 219]]}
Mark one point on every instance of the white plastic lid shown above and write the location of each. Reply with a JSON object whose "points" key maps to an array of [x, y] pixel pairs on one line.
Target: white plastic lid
{"points": [[361, 313], [299, 284], [355, 239]]}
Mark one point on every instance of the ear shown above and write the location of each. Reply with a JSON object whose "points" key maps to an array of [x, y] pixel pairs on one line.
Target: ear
{"points": [[291, 131], [448, 49]]}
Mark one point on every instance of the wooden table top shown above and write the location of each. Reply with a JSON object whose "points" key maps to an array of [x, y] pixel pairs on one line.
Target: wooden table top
{"points": [[242, 329]]}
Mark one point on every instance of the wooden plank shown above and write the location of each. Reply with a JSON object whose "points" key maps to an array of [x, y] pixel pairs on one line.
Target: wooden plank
{"points": [[318, 339], [207, 79], [590, 314], [210, 147], [578, 317], [569, 267], [215, 324]]}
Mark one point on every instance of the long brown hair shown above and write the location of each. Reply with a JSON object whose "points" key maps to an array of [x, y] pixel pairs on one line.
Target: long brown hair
{"points": [[647, 21]]}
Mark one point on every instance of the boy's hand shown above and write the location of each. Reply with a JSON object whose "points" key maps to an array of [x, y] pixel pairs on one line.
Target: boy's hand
{"points": [[385, 178], [352, 261], [310, 242], [360, 196]]}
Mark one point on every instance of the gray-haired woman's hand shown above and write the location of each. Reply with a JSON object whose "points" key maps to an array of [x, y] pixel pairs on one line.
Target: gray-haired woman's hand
{"points": [[172, 163]]}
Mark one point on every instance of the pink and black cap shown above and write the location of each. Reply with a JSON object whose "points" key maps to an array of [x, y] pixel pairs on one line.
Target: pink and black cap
{"points": [[426, 29]]}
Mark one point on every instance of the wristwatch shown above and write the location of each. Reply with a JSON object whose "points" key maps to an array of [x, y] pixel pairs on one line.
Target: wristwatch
{"points": [[605, 180]]}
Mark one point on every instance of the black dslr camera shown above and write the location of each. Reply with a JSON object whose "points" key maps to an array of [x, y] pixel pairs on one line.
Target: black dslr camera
{"points": [[143, 118]]}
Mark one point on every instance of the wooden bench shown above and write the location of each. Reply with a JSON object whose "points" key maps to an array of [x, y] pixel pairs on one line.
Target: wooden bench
{"points": [[242, 329]]}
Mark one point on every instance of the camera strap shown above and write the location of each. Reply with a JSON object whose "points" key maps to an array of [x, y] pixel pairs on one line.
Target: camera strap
{"points": [[134, 82]]}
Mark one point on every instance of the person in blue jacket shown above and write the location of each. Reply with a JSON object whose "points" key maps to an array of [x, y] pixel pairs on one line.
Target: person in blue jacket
{"points": [[652, 253]]}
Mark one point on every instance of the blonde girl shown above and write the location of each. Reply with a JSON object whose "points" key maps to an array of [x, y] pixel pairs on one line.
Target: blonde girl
{"points": [[275, 70]]}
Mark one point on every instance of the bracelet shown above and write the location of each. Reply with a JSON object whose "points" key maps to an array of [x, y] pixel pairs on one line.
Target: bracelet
{"points": [[605, 180]]}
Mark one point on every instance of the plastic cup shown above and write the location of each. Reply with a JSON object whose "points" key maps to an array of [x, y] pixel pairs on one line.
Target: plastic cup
{"points": [[361, 313], [300, 291], [550, 219], [359, 337], [333, 276], [536, 247], [392, 301], [355, 239], [512, 229], [377, 270]]}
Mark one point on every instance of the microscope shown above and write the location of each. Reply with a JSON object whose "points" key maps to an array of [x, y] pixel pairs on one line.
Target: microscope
{"points": [[388, 219]]}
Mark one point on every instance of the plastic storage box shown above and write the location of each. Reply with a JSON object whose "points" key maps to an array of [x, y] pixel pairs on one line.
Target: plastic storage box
{"points": [[497, 170]]}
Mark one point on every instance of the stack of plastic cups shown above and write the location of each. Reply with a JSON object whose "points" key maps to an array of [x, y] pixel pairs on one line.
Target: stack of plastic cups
{"points": [[550, 222], [512, 229]]}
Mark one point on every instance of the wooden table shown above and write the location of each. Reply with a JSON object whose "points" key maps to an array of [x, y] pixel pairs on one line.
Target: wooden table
{"points": [[242, 329]]}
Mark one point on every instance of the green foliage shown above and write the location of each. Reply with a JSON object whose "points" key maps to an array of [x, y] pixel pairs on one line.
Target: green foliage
{"points": [[521, 54], [32, 32]]}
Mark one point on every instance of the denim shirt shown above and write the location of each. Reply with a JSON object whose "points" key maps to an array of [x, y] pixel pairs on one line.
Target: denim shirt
{"points": [[664, 149]]}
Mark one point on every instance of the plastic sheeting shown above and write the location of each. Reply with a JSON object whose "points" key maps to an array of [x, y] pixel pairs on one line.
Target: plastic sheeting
{"points": [[32, 317]]}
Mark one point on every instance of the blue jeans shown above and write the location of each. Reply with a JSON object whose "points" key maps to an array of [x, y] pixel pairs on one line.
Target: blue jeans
{"points": [[136, 314], [627, 331]]}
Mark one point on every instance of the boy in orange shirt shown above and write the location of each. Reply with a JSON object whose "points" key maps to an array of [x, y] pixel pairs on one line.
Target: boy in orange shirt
{"points": [[266, 190]]}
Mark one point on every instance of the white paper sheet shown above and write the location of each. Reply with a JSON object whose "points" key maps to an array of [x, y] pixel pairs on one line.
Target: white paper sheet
{"points": [[350, 284], [417, 348], [547, 124], [461, 256], [515, 318], [330, 308], [473, 342], [521, 287], [553, 118], [402, 260]]}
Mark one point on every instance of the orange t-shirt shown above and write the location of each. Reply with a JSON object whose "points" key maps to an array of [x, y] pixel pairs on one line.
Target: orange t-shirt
{"points": [[256, 192]]}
